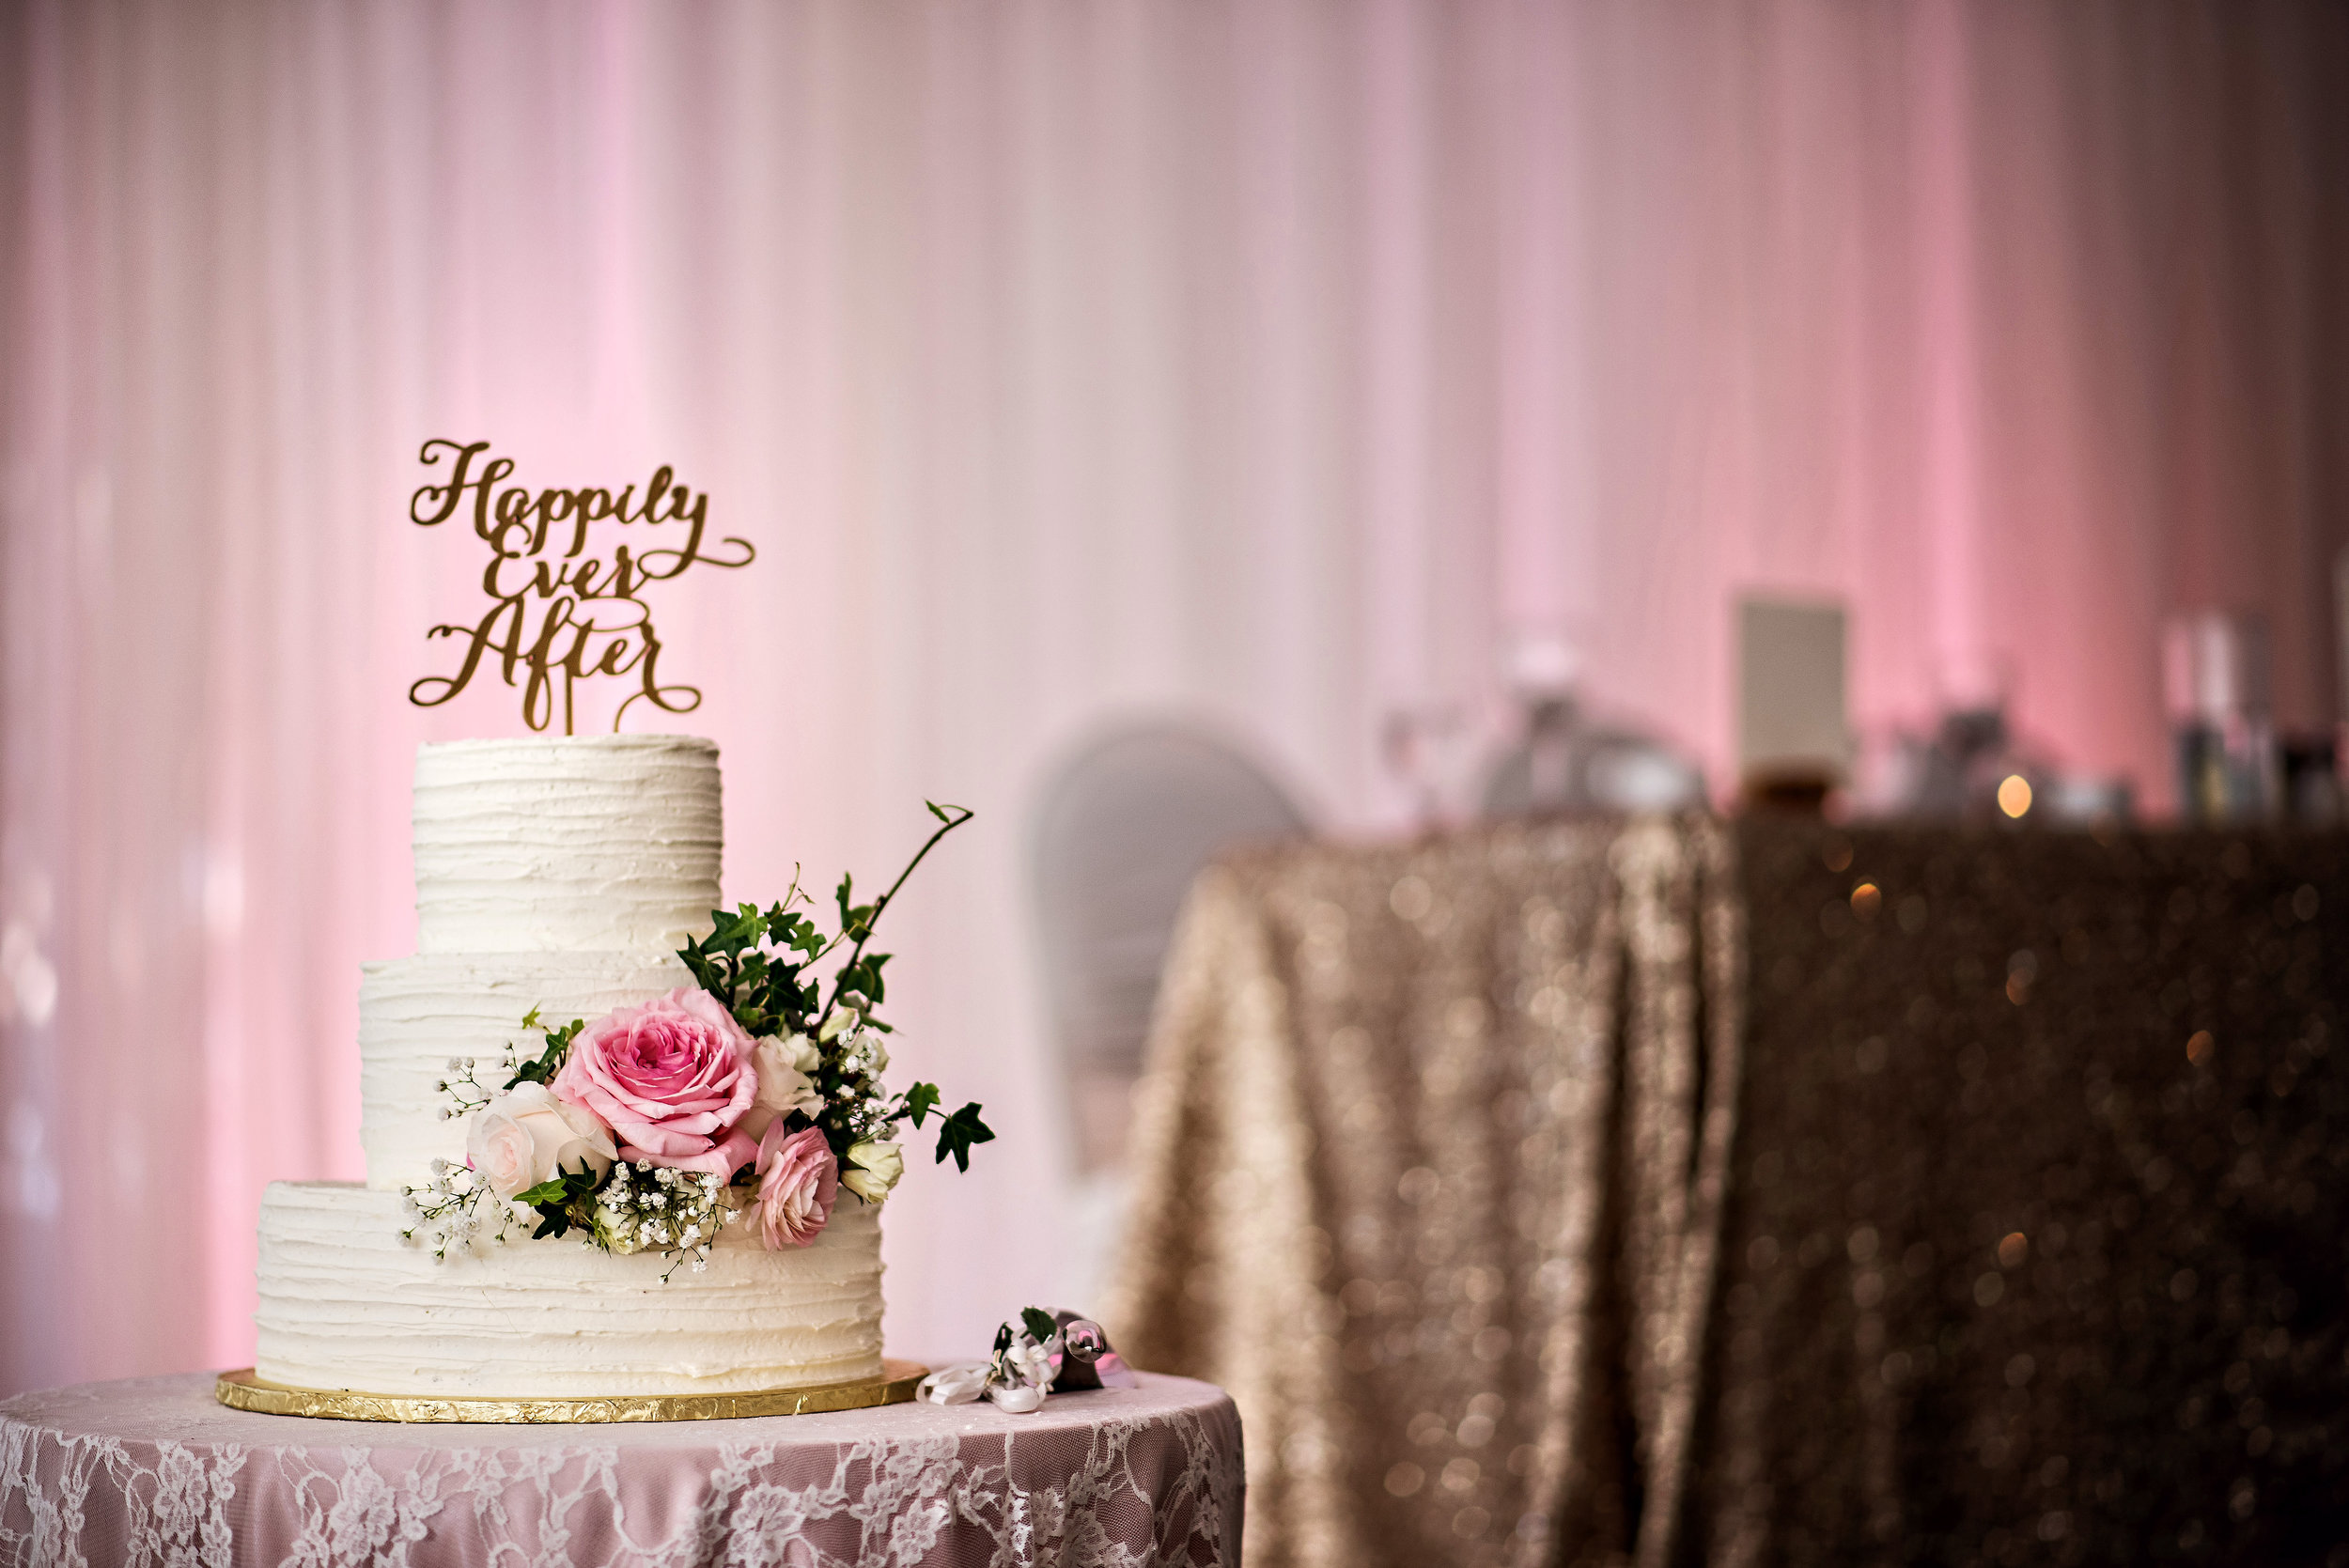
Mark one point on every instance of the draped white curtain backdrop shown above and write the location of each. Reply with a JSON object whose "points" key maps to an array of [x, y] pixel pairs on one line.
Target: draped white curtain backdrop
{"points": [[1271, 360]]}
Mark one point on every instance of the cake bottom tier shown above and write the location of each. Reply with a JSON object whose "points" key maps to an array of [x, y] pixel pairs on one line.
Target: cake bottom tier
{"points": [[344, 1303]]}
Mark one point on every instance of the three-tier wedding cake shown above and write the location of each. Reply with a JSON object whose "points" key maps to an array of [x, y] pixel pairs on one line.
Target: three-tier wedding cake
{"points": [[557, 876]]}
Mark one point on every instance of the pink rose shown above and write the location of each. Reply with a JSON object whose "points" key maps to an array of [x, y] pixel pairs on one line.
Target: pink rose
{"points": [[799, 1183], [671, 1078]]}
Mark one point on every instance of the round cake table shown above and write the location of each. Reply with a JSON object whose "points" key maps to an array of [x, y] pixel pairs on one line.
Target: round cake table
{"points": [[154, 1471]]}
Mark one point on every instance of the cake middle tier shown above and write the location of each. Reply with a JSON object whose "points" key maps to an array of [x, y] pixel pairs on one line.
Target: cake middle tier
{"points": [[417, 1014]]}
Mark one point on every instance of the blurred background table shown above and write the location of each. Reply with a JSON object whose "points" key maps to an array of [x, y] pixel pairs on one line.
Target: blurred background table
{"points": [[153, 1471], [1691, 1191]]}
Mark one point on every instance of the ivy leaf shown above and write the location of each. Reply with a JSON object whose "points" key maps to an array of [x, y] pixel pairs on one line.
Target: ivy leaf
{"points": [[856, 920], [869, 975], [861, 979], [554, 1198], [542, 1068], [958, 1132], [554, 1213], [735, 932], [920, 1101], [799, 933], [562, 1186]]}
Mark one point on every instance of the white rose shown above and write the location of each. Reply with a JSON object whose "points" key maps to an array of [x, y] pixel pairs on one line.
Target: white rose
{"points": [[805, 1054], [1032, 1361], [783, 1063], [528, 1136], [871, 1170]]}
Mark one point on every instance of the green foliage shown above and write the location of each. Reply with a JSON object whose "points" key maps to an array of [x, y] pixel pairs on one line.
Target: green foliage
{"points": [[561, 1200], [758, 962], [958, 1132], [856, 920], [1038, 1322], [860, 984], [542, 1067], [919, 1101], [762, 965]]}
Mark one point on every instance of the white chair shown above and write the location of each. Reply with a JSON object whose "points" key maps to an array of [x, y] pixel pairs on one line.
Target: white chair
{"points": [[1121, 830]]}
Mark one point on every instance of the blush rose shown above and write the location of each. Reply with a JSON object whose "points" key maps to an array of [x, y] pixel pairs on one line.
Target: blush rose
{"points": [[786, 1066], [673, 1079], [528, 1136], [799, 1183]]}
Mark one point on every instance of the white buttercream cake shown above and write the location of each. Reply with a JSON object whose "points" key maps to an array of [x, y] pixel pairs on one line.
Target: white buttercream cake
{"points": [[559, 874]]}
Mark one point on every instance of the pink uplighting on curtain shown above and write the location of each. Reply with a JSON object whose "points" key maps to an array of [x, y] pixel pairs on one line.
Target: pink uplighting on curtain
{"points": [[1275, 360], [1950, 329]]}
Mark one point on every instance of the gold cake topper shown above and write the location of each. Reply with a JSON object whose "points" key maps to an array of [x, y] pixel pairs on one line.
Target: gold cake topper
{"points": [[558, 619]]}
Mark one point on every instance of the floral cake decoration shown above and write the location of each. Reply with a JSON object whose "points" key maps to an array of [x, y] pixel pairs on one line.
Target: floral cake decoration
{"points": [[1036, 1354], [753, 1097]]}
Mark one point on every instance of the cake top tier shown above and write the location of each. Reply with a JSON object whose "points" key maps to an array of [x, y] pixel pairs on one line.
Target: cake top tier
{"points": [[590, 843]]}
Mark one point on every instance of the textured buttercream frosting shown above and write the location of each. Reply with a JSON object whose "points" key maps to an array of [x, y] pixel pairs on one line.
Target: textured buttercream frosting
{"points": [[599, 843], [346, 1304]]}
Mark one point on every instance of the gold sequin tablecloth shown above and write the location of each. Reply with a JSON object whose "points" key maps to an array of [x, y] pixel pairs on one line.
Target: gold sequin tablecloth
{"points": [[1763, 1194]]}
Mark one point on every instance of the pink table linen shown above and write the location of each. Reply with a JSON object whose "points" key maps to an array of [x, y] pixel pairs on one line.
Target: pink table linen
{"points": [[152, 1470]]}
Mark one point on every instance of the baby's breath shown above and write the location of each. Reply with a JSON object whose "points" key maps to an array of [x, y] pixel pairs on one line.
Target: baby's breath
{"points": [[466, 1092], [453, 1209], [646, 1208]]}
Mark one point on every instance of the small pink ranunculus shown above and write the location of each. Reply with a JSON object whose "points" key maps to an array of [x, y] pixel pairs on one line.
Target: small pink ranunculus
{"points": [[671, 1078], [799, 1183]]}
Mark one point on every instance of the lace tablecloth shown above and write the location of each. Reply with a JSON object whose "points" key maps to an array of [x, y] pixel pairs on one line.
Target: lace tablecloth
{"points": [[153, 1471]]}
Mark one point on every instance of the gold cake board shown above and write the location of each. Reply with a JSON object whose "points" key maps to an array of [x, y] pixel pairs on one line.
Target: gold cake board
{"points": [[241, 1391]]}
